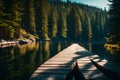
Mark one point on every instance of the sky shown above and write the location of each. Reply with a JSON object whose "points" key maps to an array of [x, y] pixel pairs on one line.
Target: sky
{"points": [[97, 3]]}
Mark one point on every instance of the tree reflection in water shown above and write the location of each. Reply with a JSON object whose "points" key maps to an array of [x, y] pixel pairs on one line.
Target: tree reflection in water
{"points": [[115, 55], [112, 55], [19, 62]]}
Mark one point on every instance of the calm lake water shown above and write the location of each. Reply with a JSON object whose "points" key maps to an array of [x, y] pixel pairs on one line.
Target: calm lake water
{"points": [[19, 62]]}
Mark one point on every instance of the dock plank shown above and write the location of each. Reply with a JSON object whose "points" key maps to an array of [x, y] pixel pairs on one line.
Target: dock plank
{"points": [[49, 77], [61, 64], [106, 64]]}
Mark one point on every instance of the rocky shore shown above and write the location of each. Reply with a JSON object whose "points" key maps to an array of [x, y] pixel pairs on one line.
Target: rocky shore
{"points": [[6, 43]]}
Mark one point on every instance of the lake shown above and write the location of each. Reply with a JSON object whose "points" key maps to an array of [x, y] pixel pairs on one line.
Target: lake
{"points": [[18, 62]]}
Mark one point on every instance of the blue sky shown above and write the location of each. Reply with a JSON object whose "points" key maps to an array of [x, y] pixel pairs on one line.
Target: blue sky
{"points": [[97, 3]]}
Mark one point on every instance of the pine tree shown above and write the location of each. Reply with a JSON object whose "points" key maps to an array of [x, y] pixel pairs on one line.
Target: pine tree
{"points": [[15, 18], [97, 26], [6, 30], [74, 24], [44, 15], [114, 21], [63, 23], [88, 28], [77, 23], [38, 17], [101, 19], [32, 24], [62, 26], [106, 28], [2, 23], [54, 22]]}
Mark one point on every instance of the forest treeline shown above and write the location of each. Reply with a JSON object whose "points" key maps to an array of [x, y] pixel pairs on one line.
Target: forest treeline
{"points": [[51, 19]]}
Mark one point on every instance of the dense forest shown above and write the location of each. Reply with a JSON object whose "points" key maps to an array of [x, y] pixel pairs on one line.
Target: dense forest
{"points": [[51, 20]]}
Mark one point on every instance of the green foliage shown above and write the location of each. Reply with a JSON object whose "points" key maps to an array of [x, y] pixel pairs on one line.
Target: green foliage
{"points": [[6, 31], [77, 24], [45, 9], [54, 15], [114, 21], [32, 24], [63, 22], [97, 25], [74, 23], [51, 19], [89, 28], [15, 17]]}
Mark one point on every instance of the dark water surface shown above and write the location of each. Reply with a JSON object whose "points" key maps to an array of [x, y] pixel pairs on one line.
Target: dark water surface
{"points": [[19, 62], [112, 55]]}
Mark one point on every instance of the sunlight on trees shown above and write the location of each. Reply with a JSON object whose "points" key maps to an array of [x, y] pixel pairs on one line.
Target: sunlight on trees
{"points": [[51, 20]]}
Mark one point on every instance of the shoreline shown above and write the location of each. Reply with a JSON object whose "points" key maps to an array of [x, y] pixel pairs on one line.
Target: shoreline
{"points": [[7, 43]]}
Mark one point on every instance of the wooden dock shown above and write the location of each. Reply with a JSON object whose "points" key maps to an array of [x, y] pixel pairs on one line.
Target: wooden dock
{"points": [[61, 64]]}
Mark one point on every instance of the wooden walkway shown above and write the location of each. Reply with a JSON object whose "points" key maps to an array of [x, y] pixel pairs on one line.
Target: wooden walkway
{"points": [[60, 65]]}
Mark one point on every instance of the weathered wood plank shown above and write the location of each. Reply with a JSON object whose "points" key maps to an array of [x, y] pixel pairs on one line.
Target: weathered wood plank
{"points": [[106, 64], [59, 66], [49, 77], [94, 75], [54, 67], [59, 63]]}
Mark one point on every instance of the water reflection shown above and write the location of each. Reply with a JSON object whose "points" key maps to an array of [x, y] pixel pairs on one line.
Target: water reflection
{"points": [[115, 54], [112, 55], [46, 50], [59, 46], [90, 47], [19, 62]]}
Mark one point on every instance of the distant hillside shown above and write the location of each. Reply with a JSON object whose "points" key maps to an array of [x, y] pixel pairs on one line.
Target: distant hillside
{"points": [[49, 20]]}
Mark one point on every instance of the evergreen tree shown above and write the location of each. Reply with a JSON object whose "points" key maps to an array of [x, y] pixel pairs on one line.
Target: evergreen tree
{"points": [[6, 30], [62, 26], [88, 28], [32, 24], [15, 18], [106, 29], [70, 23], [3, 25], [74, 25], [44, 14], [38, 17], [97, 26], [114, 21], [63, 23], [101, 23], [77, 23], [93, 25], [54, 21]]}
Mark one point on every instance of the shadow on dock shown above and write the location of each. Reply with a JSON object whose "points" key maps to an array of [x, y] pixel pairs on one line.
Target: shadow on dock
{"points": [[63, 67], [111, 74], [75, 73]]}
